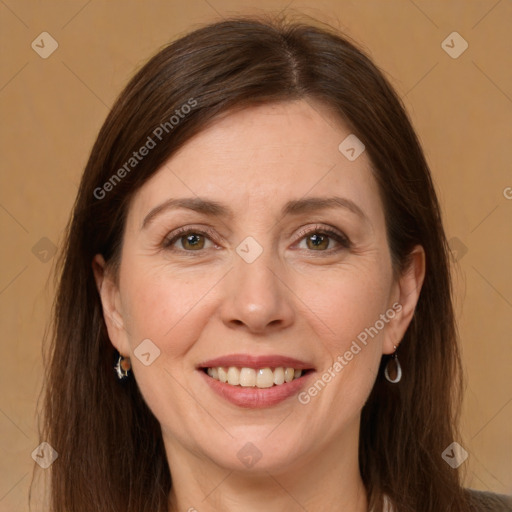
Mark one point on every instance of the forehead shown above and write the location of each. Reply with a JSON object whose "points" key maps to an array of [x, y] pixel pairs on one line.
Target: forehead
{"points": [[260, 157]]}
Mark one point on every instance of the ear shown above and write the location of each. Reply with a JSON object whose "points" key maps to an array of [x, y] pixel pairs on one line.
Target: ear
{"points": [[111, 303], [405, 296]]}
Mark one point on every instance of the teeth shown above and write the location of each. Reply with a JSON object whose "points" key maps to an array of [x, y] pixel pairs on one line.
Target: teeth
{"points": [[279, 376], [222, 374], [213, 372], [289, 373], [265, 378], [249, 377], [233, 376]]}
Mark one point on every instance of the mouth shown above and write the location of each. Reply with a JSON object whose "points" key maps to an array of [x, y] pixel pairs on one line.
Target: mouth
{"points": [[261, 378], [255, 381]]}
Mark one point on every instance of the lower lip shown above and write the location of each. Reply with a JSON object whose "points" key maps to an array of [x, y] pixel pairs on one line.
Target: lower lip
{"points": [[255, 398]]}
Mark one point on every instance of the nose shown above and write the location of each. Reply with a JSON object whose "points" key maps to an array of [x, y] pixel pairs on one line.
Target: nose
{"points": [[257, 298]]}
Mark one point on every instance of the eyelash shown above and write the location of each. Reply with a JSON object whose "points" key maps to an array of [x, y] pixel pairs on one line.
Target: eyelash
{"points": [[321, 230], [332, 233]]}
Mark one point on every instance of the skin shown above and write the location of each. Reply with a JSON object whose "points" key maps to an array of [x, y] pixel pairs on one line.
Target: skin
{"points": [[296, 299]]}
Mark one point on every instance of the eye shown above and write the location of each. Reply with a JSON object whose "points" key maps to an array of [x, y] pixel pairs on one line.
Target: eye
{"points": [[319, 239], [191, 240]]}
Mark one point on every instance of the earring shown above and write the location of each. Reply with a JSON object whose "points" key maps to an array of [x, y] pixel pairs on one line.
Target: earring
{"points": [[398, 369], [122, 367]]}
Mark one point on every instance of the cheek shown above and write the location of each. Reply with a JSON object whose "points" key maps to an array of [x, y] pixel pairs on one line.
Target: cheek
{"points": [[343, 313], [346, 303], [163, 307], [171, 310]]}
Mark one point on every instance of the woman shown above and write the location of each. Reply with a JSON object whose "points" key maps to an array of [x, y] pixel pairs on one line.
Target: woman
{"points": [[254, 310]]}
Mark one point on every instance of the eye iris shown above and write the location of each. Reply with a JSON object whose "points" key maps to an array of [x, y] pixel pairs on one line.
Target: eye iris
{"points": [[317, 240], [193, 240]]}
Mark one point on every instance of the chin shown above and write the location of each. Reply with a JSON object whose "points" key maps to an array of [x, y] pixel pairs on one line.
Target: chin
{"points": [[254, 450]]}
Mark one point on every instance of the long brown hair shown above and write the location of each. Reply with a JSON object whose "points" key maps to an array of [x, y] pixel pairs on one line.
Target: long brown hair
{"points": [[111, 453]]}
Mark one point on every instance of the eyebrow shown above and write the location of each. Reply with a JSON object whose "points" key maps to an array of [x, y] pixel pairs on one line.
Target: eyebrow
{"points": [[216, 209]]}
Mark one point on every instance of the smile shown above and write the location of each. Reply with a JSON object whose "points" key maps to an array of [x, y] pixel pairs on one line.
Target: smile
{"points": [[253, 377], [255, 381]]}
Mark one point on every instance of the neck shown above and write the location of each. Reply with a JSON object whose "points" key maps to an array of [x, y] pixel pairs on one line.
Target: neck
{"points": [[313, 482]]}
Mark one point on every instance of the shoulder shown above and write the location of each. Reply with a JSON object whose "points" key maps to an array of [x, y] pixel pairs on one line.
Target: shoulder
{"points": [[481, 501]]}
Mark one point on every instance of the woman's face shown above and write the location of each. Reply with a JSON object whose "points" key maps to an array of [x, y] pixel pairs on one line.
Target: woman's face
{"points": [[258, 247]]}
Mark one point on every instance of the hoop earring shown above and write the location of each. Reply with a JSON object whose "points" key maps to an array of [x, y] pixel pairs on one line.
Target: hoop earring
{"points": [[398, 369], [122, 367]]}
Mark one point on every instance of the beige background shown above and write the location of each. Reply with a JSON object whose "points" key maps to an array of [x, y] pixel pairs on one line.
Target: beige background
{"points": [[52, 109]]}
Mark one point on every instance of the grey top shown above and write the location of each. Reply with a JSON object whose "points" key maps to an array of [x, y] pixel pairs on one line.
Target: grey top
{"points": [[480, 501], [489, 502]]}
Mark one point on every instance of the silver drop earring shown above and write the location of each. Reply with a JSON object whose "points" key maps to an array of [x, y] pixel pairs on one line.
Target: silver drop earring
{"points": [[398, 377]]}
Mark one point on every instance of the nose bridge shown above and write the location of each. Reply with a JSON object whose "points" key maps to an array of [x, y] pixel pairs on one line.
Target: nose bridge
{"points": [[253, 269], [256, 297]]}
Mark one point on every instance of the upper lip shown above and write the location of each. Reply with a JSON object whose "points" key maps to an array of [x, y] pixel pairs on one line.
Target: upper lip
{"points": [[249, 361]]}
